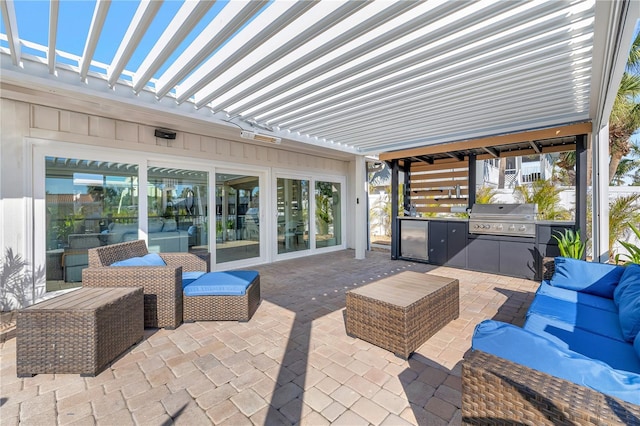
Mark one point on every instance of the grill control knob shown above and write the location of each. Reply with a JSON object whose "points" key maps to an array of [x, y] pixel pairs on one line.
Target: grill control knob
{"points": [[499, 227], [512, 228], [523, 228]]}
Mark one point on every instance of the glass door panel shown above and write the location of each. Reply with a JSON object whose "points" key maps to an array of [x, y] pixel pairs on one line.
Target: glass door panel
{"points": [[89, 203], [178, 210], [293, 215], [237, 217], [328, 217]]}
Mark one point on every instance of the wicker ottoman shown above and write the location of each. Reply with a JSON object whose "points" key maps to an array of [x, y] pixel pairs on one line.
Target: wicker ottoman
{"points": [[401, 312], [80, 332], [207, 306]]}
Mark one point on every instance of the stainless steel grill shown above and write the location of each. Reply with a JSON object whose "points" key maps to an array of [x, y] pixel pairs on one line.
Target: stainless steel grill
{"points": [[503, 219]]}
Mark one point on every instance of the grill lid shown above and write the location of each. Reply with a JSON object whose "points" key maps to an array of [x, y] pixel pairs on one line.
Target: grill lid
{"points": [[523, 212]]}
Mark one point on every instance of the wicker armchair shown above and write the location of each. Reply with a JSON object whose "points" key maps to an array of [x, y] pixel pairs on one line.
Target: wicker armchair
{"points": [[162, 285], [496, 391]]}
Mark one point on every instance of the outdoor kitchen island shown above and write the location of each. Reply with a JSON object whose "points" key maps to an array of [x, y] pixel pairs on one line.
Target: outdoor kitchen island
{"points": [[447, 241]]}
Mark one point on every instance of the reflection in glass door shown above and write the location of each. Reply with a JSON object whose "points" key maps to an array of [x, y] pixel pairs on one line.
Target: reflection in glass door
{"points": [[177, 210], [328, 217], [293, 215], [237, 217]]}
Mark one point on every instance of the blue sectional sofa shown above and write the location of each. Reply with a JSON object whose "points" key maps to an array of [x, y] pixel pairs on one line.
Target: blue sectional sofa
{"points": [[575, 360]]}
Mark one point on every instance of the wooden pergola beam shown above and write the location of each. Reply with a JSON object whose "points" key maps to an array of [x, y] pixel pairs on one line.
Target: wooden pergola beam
{"points": [[512, 138]]}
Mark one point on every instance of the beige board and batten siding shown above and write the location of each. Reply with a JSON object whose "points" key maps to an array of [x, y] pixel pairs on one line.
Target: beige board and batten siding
{"points": [[87, 129]]}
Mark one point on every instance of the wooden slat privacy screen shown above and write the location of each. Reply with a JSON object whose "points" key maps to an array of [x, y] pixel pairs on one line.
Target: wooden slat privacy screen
{"points": [[436, 189]]}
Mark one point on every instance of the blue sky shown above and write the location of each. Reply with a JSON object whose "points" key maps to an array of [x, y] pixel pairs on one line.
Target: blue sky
{"points": [[75, 19]]}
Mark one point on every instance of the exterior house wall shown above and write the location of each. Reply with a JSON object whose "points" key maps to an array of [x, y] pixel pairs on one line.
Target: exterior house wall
{"points": [[25, 125]]}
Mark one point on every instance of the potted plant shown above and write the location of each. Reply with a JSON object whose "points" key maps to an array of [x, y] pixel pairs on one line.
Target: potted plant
{"points": [[570, 244]]}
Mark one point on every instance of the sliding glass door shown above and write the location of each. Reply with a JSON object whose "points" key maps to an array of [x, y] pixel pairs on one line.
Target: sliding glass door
{"points": [[87, 201], [178, 210], [293, 215], [237, 217], [328, 214]]}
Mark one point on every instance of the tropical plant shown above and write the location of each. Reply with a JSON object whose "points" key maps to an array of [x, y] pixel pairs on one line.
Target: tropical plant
{"points": [[625, 114], [567, 163], [17, 282], [634, 250], [628, 166], [485, 195], [570, 244], [622, 210], [546, 195]]}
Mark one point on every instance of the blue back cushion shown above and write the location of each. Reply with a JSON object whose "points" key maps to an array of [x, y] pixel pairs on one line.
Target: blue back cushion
{"points": [[592, 319], [628, 299], [523, 347], [589, 277], [151, 259], [586, 299]]}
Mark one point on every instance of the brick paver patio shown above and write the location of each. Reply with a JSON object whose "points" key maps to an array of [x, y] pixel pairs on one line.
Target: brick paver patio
{"points": [[291, 364]]}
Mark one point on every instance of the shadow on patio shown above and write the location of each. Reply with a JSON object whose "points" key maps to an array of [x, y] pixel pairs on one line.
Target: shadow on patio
{"points": [[292, 363]]}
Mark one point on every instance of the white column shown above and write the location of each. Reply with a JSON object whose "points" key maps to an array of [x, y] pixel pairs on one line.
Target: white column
{"points": [[361, 212], [600, 200]]}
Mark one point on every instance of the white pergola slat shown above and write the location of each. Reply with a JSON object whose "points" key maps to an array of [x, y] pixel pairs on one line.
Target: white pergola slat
{"points": [[54, 9], [313, 23], [324, 44], [141, 21], [97, 22], [422, 59], [361, 77], [227, 22], [180, 26], [11, 27], [268, 23]]}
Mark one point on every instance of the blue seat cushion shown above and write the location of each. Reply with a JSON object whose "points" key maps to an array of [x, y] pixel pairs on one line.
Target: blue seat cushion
{"points": [[230, 283], [616, 353], [594, 320], [151, 259], [191, 276], [536, 352], [629, 302], [600, 279], [573, 296]]}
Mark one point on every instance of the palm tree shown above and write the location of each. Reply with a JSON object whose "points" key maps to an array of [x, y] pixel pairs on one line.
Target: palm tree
{"points": [[628, 166], [625, 114], [622, 211], [546, 196]]}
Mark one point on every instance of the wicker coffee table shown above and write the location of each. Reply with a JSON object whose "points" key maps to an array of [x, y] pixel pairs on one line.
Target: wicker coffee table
{"points": [[80, 332], [401, 312]]}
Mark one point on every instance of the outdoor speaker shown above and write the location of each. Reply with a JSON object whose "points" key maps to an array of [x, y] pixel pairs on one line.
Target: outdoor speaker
{"points": [[165, 134]]}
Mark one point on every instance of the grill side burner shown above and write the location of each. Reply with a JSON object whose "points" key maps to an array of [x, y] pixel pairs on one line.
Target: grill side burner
{"points": [[503, 219]]}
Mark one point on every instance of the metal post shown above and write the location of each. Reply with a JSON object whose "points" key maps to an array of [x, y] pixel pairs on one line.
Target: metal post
{"points": [[395, 226], [581, 185], [471, 198]]}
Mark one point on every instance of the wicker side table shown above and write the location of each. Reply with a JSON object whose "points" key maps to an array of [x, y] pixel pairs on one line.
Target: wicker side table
{"points": [[401, 312], [80, 332]]}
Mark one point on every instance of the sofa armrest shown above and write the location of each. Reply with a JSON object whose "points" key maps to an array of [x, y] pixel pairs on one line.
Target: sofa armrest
{"points": [[162, 287], [498, 391], [189, 261]]}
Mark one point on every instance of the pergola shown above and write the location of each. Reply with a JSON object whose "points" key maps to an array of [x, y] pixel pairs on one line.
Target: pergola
{"points": [[355, 77]]}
